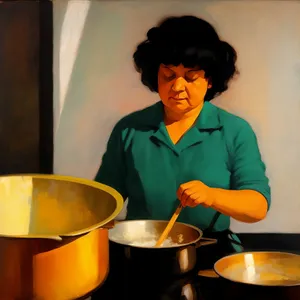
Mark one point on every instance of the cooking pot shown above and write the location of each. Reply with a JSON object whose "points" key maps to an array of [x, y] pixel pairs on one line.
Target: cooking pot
{"points": [[258, 275], [130, 242], [53, 240]]}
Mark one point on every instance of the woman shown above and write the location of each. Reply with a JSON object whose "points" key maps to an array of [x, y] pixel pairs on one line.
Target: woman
{"points": [[183, 147]]}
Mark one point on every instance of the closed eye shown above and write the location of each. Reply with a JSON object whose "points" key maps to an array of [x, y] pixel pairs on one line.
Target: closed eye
{"points": [[192, 75], [168, 74], [170, 77]]}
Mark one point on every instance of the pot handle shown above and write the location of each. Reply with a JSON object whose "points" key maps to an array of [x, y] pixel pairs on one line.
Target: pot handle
{"points": [[110, 224], [210, 273], [205, 242]]}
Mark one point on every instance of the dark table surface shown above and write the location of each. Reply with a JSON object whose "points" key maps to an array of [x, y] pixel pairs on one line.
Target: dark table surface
{"points": [[125, 283], [191, 287]]}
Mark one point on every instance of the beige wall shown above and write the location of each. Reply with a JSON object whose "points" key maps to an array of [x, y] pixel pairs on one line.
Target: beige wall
{"points": [[95, 83]]}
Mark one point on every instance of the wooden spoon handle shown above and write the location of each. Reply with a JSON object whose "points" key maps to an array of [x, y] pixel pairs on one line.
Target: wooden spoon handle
{"points": [[169, 226]]}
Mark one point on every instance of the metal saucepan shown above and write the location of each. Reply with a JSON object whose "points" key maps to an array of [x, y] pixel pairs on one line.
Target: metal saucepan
{"points": [[261, 268], [134, 242], [259, 275], [52, 241]]}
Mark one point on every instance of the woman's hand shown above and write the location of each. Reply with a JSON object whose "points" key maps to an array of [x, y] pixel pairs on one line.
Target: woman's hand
{"points": [[194, 193], [243, 205]]}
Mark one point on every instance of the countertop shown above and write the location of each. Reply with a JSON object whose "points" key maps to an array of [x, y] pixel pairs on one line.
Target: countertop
{"points": [[191, 287], [126, 284]]}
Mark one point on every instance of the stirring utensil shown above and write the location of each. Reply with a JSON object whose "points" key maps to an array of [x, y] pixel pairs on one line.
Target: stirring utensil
{"points": [[169, 226]]}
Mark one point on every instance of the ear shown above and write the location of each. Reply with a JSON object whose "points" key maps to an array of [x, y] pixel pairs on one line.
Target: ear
{"points": [[209, 84]]}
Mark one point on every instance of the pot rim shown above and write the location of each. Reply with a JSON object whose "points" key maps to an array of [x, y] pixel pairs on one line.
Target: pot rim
{"points": [[251, 283], [87, 182], [194, 242]]}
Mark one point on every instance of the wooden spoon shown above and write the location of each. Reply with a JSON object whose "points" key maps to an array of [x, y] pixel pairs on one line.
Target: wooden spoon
{"points": [[169, 226]]}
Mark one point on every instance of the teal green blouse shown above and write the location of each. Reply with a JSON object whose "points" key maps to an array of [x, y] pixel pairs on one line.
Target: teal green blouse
{"points": [[143, 164]]}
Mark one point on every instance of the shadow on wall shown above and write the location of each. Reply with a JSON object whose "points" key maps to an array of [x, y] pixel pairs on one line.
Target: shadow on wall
{"points": [[69, 82], [82, 110]]}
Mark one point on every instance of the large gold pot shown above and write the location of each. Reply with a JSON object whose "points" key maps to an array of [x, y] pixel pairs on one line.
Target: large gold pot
{"points": [[53, 240]]}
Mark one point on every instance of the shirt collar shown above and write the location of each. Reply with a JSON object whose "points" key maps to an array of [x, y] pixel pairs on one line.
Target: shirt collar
{"points": [[208, 120]]}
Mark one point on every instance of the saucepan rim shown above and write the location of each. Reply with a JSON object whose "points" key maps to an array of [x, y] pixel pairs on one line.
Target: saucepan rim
{"points": [[83, 181], [194, 242]]}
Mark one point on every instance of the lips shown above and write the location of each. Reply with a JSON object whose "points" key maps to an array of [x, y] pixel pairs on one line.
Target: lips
{"points": [[178, 99]]}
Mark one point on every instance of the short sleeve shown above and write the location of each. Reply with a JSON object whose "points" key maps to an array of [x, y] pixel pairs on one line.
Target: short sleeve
{"points": [[112, 171], [248, 169]]}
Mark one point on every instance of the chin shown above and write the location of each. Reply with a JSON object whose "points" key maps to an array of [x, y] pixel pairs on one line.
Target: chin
{"points": [[179, 107]]}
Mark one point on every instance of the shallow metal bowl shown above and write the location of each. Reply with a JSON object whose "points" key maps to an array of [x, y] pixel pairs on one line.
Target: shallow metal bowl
{"points": [[261, 268]]}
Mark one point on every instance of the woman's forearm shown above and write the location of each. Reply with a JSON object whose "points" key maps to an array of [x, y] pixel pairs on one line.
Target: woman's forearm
{"points": [[246, 206]]}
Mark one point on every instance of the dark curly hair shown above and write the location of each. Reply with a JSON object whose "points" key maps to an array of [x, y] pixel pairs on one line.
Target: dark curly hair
{"points": [[190, 41]]}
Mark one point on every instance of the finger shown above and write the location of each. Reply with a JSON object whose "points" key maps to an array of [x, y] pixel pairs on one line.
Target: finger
{"points": [[185, 195], [181, 190], [179, 193], [182, 194], [193, 199], [192, 204], [189, 184], [183, 199], [185, 186]]}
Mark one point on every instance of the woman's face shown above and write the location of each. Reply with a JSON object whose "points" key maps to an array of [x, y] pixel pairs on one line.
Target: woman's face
{"points": [[182, 89]]}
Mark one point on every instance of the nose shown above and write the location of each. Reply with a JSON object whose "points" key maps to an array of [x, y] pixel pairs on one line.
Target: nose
{"points": [[179, 85]]}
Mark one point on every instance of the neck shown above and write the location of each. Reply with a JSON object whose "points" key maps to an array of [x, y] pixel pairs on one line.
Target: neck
{"points": [[172, 117]]}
